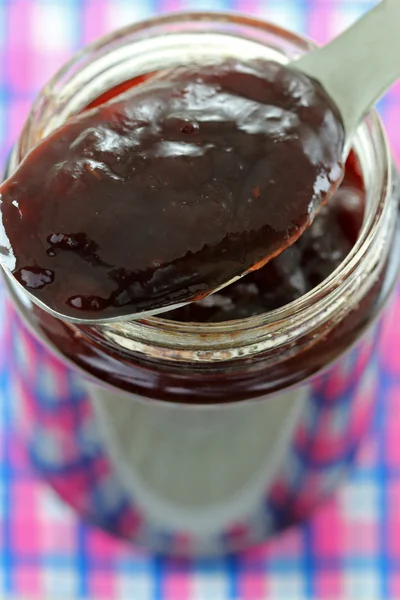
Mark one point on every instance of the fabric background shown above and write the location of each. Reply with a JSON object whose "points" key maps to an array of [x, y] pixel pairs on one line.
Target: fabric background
{"points": [[349, 549]]}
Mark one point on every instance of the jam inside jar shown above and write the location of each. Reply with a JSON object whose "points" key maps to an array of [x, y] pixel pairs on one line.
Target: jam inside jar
{"points": [[218, 425]]}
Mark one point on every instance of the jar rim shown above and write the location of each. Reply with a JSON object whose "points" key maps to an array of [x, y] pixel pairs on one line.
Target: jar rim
{"points": [[173, 340]]}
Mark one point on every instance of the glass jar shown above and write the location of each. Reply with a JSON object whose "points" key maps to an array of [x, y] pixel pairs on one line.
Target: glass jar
{"points": [[197, 438]]}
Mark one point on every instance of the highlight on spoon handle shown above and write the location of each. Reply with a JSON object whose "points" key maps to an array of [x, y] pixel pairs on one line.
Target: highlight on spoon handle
{"points": [[359, 66]]}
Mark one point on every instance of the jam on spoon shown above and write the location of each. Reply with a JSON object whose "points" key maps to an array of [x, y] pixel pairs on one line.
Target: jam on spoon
{"points": [[298, 269], [186, 181]]}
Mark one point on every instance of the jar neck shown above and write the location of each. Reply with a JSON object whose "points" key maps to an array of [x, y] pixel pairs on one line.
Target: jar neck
{"points": [[160, 43]]}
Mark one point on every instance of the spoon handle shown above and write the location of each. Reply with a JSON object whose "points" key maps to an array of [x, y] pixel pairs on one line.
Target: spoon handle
{"points": [[358, 66]]}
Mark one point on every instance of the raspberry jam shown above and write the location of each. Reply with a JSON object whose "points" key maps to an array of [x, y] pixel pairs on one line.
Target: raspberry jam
{"points": [[189, 179]]}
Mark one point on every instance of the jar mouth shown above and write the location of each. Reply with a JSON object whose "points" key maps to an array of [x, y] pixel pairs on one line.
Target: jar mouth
{"points": [[62, 96]]}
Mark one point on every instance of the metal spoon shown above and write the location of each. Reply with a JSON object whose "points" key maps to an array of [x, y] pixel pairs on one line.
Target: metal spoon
{"points": [[355, 69], [360, 65]]}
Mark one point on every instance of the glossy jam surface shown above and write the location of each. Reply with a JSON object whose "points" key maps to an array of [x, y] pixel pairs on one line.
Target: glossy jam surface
{"points": [[300, 268], [188, 179]]}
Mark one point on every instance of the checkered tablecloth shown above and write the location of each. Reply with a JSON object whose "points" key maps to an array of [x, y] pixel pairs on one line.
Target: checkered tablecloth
{"points": [[350, 548]]}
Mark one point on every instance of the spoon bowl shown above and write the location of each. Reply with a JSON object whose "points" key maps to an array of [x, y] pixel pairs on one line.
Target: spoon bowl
{"points": [[355, 70]]}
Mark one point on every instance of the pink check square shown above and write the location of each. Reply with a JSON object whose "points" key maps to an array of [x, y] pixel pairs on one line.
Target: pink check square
{"points": [[28, 582]]}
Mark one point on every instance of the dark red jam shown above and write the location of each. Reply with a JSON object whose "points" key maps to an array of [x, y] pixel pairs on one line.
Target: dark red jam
{"points": [[298, 269], [190, 178]]}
